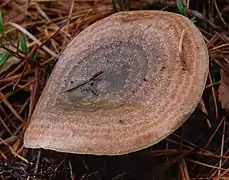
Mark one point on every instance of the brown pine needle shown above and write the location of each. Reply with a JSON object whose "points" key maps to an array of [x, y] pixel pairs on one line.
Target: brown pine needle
{"points": [[222, 146], [183, 170], [6, 102], [204, 164], [214, 97], [13, 152], [212, 136]]}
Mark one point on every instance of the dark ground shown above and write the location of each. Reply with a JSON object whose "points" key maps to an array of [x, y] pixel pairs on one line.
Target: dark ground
{"points": [[195, 151]]}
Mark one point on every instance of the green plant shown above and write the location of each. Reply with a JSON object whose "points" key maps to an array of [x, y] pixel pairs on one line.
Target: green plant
{"points": [[181, 7], [1, 24]]}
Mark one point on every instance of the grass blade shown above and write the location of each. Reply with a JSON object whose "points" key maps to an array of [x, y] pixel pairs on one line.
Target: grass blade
{"points": [[181, 6], [24, 47], [3, 57], [1, 24]]}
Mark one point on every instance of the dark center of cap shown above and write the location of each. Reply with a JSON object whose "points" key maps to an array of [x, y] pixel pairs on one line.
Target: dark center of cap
{"points": [[107, 77]]}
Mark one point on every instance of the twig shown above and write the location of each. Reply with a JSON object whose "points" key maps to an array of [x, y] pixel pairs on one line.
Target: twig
{"points": [[13, 152], [85, 82], [37, 164], [71, 171]]}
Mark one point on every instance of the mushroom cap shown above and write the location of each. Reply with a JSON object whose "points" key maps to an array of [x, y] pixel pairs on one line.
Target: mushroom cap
{"points": [[120, 85]]}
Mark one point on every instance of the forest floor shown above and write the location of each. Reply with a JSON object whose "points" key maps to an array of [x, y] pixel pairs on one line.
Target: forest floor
{"points": [[197, 150]]}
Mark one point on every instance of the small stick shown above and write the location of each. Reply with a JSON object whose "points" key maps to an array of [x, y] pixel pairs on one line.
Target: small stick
{"points": [[13, 152], [71, 171], [180, 49], [37, 164], [85, 82]]}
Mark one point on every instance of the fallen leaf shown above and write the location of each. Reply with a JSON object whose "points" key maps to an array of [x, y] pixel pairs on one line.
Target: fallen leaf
{"points": [[224, 90]]}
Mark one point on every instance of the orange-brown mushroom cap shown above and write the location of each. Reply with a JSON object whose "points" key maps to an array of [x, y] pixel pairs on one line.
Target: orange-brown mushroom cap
{"points": [[123, 84]]}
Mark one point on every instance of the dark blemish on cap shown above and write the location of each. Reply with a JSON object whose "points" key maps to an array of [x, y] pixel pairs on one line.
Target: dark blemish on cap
{"points": [[162, 68], [120, 121]]}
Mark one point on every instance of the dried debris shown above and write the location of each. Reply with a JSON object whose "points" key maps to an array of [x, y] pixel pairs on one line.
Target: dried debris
{"points": [[14, 11]]}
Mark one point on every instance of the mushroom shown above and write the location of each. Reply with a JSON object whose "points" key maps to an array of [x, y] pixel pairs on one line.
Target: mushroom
{"points": [[123, 84]]}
